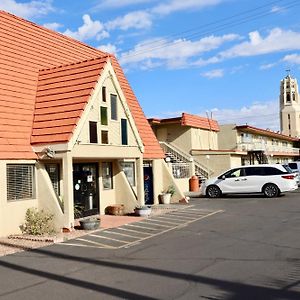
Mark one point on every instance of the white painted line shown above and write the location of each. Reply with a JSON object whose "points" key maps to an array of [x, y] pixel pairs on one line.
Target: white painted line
{"points": [[131, 230], [107, 238], [181, 216], [81, 245], [92, 242], [164, 231], [123, 234], [171, 217], [164, 221], [143, 227], [160, 225]]}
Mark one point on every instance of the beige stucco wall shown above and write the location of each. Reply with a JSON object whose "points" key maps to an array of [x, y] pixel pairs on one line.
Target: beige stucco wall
{"points": [[203, 139], [114, 126], [12, 213], [47, 199], [227, 137]]}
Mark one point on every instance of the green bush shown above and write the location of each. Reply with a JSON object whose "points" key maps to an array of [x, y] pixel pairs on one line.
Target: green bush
{"points": [[38, 222]]}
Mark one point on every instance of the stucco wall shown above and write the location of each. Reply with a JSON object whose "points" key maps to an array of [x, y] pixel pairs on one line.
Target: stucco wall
{"points": [[203, 139], [114, 126], [227, 137], [12, 213]]}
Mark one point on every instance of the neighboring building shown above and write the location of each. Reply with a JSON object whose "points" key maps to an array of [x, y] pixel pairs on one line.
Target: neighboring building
{"points": [[72, 131], [289, 107], [179, 137]]}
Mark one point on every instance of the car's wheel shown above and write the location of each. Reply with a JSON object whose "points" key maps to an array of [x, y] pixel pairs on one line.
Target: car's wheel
{"points": [[271, 190], [213, 191]]}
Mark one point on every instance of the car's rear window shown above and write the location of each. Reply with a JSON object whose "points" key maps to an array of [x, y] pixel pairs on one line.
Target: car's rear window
{"points": [[293, 166]]}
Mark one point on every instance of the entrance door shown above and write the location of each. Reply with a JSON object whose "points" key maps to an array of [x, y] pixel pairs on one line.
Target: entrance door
{"points": [[148, 185], [86, 190]]}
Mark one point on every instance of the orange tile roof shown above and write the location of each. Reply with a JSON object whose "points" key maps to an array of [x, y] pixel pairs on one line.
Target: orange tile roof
{"points": [[265, 132], [190, 121], [64, 89], [30, 57]]}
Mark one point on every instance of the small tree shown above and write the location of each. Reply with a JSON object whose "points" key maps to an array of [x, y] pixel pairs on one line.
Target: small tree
{"points": [[38, 222]]}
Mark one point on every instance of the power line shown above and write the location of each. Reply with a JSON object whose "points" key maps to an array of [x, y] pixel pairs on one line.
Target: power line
{"points": [[237, 20]]}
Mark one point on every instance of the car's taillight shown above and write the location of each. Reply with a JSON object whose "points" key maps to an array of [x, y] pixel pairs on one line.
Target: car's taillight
{"points": [[288, 176]]}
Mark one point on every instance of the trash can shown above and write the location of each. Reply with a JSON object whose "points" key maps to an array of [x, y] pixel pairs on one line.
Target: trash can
{"points": [[194, 184]]}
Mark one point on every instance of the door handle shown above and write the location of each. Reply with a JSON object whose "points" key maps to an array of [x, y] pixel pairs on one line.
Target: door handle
{"points": [[244, 179], [236, 180]]}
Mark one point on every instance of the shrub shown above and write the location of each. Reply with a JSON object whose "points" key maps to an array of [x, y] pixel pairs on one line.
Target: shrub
{"points": [[38, 222]]}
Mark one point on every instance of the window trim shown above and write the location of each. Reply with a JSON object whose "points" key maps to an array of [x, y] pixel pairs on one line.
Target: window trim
{"points": [[18, 187]]}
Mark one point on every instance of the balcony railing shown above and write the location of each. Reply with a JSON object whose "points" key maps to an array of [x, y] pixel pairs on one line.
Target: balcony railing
{"points": [[266, 148]]}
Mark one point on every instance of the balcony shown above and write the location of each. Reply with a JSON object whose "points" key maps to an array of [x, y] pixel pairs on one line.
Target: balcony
{"points": [[267, 148]]}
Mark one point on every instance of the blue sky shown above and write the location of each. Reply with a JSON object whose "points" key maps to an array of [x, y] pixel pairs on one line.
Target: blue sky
{"points": [[223, 58]]}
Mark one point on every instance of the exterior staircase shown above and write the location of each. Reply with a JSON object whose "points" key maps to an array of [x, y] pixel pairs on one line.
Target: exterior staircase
{"points": [[180, 159]]}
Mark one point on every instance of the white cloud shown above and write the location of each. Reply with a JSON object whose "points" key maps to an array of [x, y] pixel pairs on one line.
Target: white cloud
{"points": [[260, 114], [175, 54], [118, 3], [109, 48], [292, 58], [53, 26], [216, 73], [179, 5], [136, 19], [27, 10], [277, 40], [276, 9], [89, 30], [267, 66]]}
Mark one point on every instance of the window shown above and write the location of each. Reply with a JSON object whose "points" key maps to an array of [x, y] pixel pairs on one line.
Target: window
{"points": [[20, 182], [124, 135], [288, 97], [103, 115], [129, 170], [107, 179], [93, 132], [53, 172], [104, 93], [113, 107], [104, 137]]}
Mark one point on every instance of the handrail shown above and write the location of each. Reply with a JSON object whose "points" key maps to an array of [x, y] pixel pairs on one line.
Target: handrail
{"points": [[183, 156]]}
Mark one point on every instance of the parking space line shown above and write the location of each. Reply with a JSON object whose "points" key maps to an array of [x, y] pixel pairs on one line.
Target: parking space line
{"points": [[143, 227], [91, 242], [125, 229], [107, 238], [137, 232], [123, 234]]}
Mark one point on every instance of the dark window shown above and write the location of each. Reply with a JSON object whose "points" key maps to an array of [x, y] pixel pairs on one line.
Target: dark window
{"points": [[113, 107], [93, 132], [20, 182], [53, 172], [254, 171], [104, 137], [293, 166], [104, 94], [103, 113], [272, 171], [124, 134], [288, 97]]}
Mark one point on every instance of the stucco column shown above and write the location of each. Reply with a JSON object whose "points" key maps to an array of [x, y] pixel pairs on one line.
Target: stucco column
{"points": [[68, 196], [140, 181], [192, 167], [158, 180]]}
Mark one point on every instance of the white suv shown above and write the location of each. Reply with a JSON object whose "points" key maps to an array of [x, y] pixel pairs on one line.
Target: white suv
{"points": [[271, 180]]}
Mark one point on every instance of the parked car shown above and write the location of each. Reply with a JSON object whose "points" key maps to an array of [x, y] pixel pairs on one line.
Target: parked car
{"points": [[295, 166], [271, 180], [295, 171]]}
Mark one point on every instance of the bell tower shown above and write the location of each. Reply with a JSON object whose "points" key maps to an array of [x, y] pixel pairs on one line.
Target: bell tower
{"points": [[289, 106]]}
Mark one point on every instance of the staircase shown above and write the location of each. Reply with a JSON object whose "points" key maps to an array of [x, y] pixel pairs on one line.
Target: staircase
{"points": [[180, 158]]}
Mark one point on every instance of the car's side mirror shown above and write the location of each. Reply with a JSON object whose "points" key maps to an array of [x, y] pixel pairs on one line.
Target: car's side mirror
{"points": [[223, 177]]}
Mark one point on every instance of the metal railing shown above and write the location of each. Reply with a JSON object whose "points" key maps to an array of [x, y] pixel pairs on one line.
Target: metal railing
{"points": [[267, 148], [178, 157]]}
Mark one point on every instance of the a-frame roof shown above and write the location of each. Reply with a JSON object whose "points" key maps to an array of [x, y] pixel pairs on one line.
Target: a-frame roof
{"points": [[34, 63]]}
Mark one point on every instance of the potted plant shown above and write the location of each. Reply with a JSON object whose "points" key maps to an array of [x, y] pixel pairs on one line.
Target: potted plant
{"points": [[142, 210], [167, 194], [91, 223]]}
